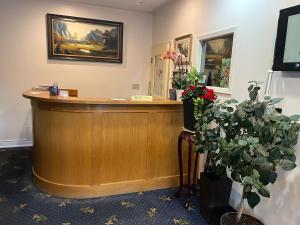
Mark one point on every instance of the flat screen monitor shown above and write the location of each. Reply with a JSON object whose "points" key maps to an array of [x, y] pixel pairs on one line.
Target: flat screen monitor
{"points": [[287, 47]]}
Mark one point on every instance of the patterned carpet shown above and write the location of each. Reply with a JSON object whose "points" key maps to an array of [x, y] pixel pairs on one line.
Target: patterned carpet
{"points": [[23, 204]]}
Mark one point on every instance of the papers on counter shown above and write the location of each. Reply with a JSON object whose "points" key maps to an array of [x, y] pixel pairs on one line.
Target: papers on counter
{"points": [[41, 88], [118, 99], [35, 92]]}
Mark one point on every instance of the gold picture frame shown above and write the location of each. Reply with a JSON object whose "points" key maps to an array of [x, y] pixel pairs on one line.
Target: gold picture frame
{"points": [[184, 45]]}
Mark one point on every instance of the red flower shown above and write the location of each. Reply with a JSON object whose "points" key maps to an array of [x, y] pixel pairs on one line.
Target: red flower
{"points": [[209, 94], [192, 87], [184, 93]]}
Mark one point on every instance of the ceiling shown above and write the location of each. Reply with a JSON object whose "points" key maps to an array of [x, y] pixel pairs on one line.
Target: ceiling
{"points": [[136, 5]]}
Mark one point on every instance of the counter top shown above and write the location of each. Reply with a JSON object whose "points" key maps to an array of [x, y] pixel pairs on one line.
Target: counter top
{"points": [[45, 96]]}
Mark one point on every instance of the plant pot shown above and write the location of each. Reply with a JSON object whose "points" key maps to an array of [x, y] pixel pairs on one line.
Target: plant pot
{"points": [[214, 195], [173, 94], [179, 94], [188, 114], [229, 219]]}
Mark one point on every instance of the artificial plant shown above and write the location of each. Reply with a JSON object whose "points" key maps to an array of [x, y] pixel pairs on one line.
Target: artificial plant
{"points": [[251, 140], [194, 88], [180, 68]]}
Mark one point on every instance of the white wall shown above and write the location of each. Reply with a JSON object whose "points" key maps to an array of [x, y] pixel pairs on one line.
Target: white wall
{"points": [[24, 63], [256, 23]]}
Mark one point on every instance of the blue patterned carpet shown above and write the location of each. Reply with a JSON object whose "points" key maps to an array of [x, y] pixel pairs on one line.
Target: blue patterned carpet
{"points": [[22, 203]]}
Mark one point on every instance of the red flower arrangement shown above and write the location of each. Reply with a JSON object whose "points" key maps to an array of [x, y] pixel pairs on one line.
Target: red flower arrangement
{"points": [[202, 92], [209, 94]]}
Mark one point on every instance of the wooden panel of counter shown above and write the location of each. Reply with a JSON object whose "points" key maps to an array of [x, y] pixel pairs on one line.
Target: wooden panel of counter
{"points": [[86, 150]]}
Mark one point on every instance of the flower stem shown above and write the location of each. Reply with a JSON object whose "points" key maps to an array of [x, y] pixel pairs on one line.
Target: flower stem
{"points": [[241, 207]]}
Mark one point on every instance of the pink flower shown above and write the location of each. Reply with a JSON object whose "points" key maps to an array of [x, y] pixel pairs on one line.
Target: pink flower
{"points": [[173, 55]]}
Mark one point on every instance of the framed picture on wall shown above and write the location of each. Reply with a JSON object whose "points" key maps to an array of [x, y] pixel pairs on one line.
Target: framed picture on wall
{"points": [[183, 44], [216, 60], [75, 38]]}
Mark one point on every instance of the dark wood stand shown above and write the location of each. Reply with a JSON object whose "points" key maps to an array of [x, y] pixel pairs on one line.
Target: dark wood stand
{"points": [[190, 138]]}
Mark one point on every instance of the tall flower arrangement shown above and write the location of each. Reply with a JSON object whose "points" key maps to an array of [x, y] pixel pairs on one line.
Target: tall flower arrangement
{"points": [[180, 68], [199, 94], [203, 99], [198, 98]]}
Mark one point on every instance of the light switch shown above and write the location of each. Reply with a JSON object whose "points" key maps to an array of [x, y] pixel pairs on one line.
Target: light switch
{"points": [[135, 86]]}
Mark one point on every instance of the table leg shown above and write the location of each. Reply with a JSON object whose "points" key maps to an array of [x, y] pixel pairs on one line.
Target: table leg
{"points": [[195, 173], [180, 165], [189, 176]]}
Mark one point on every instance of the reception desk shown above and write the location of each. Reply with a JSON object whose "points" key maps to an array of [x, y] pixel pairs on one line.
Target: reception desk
{"points": [[91, 147]]}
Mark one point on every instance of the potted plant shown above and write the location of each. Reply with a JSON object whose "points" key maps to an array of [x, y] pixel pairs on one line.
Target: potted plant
{"points": [[195, 95], [253, 140], [179, 73], [214, 186], [258, 141]]}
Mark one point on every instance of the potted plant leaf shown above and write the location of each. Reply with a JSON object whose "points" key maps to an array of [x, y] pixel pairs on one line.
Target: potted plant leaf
{"points": [[255, 140]]}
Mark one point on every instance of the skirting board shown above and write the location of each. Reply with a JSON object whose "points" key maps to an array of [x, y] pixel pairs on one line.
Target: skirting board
{"points": [[16, 143], [101, 190]]}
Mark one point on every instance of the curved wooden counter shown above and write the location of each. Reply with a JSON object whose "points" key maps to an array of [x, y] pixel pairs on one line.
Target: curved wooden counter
{"points": [[90, 147]]}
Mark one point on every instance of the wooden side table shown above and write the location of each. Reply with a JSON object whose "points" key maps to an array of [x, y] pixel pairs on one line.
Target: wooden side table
{"points": [[189, 136]]}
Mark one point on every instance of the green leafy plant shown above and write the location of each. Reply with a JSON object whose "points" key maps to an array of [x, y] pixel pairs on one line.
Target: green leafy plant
{"points": [[176, 80], [251, 139], [217, 76], [182, 79], [193, 77]]}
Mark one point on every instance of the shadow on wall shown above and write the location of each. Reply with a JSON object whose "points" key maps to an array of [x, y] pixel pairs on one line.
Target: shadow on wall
{"points": [[26, 129], [282, 207], [285, 197], [13, 123], [285, 84], [84, 63]]}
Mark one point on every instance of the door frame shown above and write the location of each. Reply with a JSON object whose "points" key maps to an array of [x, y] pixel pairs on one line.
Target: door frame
{"points": [[159, 50]]}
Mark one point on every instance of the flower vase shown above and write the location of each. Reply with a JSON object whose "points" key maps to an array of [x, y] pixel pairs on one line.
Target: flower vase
{"points": [[179, 94], [188, 114], [173, 94]]}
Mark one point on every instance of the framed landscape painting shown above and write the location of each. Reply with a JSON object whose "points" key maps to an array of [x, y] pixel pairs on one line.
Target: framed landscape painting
{"points": [[216, 59], [75, 38]]}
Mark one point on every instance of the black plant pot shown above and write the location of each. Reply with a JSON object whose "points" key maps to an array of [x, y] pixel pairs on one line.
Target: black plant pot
{"points": [[229, 219], [172, 93], [214, 196], [188, 114]]}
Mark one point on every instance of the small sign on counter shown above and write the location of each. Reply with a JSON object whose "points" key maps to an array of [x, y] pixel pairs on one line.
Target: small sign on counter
{"points": [[141, 98]]}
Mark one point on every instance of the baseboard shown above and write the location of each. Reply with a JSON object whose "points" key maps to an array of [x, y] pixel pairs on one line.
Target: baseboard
{"points": [[106, 189], [16, 143]]}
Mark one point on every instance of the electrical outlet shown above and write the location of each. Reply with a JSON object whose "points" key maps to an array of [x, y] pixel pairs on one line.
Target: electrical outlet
{"points": [[135, 86]]}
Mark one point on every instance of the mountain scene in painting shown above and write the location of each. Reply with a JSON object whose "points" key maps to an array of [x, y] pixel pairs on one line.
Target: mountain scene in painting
{"points": [[84, 39]]}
